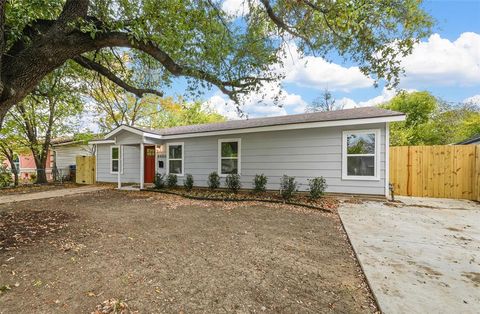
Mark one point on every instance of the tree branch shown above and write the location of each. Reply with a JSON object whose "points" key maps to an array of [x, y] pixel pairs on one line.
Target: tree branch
{"points": [[73, 9], [118, 39], [97, 67], [281, 24]]}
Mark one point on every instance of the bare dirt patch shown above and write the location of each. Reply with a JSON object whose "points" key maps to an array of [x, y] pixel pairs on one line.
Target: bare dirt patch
{"points": [[33, 188], [164, 253]]}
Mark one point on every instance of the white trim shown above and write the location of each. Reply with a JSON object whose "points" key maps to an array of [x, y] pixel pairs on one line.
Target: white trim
{"points": [[219, 155], [387, 160], [96, 162], [102, 142], [132, 130], [76, 143], [293, 126], [142, 165], [156, 161], [376, 155], [120, 159], [168, 158], [120, 166]]}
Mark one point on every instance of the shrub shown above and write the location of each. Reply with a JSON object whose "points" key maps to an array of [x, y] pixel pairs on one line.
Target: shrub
{"points": [[288, 186], [233, 182], [260, 183], [172, 180], [159, 181], [318, 186], [5, 177], [188, 182], [213, 180]]}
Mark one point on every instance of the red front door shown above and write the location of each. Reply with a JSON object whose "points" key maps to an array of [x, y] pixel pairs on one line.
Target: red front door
{"points": [[149, 164]]}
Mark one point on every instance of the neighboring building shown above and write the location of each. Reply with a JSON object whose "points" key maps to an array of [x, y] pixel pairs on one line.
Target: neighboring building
{"points": [[471, 141], [25, 163], [347, 147], [65, 150], [60, 160]]}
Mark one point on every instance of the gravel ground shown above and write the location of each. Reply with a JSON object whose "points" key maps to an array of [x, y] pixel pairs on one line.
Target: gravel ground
{"points": [[162, 253]]}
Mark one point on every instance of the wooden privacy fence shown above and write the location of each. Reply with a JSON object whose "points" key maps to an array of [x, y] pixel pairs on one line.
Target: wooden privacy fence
{"points": [[449, 171], [85, 172]]}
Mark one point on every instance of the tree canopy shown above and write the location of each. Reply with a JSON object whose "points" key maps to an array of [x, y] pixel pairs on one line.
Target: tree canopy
{"points": [[198, 40], [53, 109], [324, 102], [431, 121]]}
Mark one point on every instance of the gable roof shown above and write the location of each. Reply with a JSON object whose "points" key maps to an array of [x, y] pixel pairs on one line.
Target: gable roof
{"points": [[349, 116], [471, 140], [67, 140]]}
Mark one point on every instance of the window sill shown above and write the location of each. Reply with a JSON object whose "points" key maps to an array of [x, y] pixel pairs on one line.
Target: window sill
{"points": [[360, 178]]}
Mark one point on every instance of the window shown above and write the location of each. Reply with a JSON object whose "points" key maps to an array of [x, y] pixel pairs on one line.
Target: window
{"points": [[16, 163], [360, 155], [229, 156], [114, 159], [175, 158]]}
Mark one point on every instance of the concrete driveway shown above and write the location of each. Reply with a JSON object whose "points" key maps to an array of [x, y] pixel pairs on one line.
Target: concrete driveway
{"points": [[49, 194], [422, 256]]}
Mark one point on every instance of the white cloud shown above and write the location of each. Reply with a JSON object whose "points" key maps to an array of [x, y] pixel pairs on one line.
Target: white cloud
{"points": [[236, 8], [439, 61], [260, 105], [386, 95], [316, 72], [472, 100]]}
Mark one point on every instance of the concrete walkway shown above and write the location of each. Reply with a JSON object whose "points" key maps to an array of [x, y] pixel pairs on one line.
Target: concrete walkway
{"points": [[49, 194], [420, 257]]}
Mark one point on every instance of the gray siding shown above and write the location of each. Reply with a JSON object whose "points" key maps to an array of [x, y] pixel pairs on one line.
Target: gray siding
{"points": [[65, 155], [131, 164], [303, 153]]}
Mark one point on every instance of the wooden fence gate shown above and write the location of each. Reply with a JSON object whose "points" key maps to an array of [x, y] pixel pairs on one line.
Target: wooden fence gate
{"points": [[450, 171], [85, 169]]}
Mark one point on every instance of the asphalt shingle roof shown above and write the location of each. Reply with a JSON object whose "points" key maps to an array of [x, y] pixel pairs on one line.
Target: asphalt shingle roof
{"points": [[346, 114]]}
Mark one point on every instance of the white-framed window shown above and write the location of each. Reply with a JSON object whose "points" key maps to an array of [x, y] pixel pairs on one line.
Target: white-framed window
{"points": [[175, 155], [361, 155], [229, 156], [16, 163], [115, 158]]}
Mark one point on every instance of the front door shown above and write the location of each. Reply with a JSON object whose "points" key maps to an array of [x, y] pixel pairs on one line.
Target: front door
{"points": [[149, 164]]}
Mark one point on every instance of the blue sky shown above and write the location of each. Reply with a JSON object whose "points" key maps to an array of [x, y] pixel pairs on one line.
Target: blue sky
{"points": [[447, 64]]}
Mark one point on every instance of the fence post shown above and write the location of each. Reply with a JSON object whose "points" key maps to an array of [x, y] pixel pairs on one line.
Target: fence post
{"points": [[476, 183], [409, 171]]}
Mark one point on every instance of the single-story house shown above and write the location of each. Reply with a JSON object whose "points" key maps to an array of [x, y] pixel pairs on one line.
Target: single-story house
{"points": [[349, 148], [65, 150]]}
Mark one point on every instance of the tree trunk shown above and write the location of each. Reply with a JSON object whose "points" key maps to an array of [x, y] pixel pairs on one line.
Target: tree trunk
{"points": [[41, 165], [14, 169], [15, 176]]}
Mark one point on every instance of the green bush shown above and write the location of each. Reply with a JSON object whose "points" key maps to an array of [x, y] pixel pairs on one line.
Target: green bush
{"points": [[5, 177], [260, 183], [188, 182], [172, 180], [233, 183], [213, 180], [318, 186], [288, 186], [159, 181]]}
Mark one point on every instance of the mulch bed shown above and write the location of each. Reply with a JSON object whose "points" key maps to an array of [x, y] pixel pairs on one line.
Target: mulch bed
{"points": [[326, 204]]}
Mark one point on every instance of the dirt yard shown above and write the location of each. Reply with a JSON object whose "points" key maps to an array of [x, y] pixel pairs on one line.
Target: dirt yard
{"points": [[33, 188], [162, 253]]}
